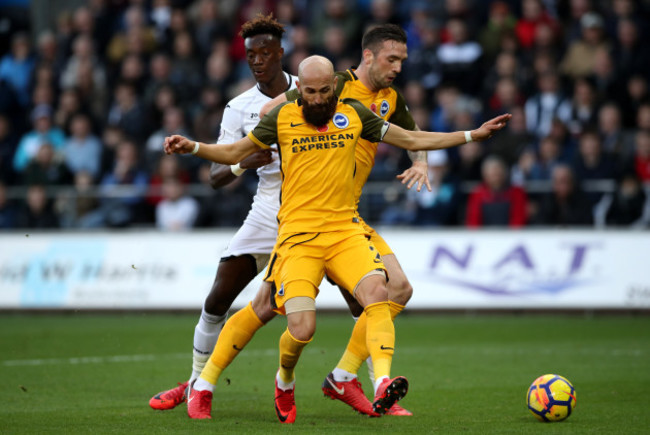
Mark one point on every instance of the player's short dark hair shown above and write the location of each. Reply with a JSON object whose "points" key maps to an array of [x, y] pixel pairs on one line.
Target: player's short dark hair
{"points": [[262, 25], [376, 36]]}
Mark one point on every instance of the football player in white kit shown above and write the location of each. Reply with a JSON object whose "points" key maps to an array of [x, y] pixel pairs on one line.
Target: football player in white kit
{"points": [[249, 250]]}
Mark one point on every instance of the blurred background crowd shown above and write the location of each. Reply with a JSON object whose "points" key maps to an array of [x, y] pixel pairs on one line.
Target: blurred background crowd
{"points": [[89, 91]]}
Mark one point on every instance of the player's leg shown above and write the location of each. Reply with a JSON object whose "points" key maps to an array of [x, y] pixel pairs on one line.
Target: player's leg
{"points": [[236, 333], [233, 274], [380, 341], [301, 325]]}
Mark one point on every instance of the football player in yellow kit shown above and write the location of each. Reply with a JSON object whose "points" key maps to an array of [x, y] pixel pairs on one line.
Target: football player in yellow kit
{"points": [[319, 230]]}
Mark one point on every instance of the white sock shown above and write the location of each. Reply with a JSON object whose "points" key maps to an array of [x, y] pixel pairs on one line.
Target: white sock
{"points": [[203, 385], [341, 375], [371, 370], [378, 382], [284, 386], [206, 334]]}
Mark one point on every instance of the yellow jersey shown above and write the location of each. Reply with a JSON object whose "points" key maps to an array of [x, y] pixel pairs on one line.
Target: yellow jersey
{"points": [[386, 103], [317, 164]]}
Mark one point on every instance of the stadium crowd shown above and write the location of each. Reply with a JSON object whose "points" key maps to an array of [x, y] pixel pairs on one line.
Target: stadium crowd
{"points": [[86, 104]]}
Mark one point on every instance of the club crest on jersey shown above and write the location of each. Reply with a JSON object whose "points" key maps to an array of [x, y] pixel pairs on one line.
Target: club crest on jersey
{"points": [[340, 120], [384, 108], [281, 291]]}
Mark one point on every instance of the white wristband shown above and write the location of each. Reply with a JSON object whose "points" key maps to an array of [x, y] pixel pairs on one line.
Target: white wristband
{"points": [[196, 148], [468, 136], [236, 169]]}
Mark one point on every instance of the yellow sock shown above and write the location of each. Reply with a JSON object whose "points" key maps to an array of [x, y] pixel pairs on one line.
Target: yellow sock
{"points": [[236, 334], [380, 337], [290, 350], [357, 351], [395, 309], [353, 356]]}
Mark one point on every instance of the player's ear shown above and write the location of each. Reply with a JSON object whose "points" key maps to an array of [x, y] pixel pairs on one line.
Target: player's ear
{"points": [[368, 56], [335, 82]]}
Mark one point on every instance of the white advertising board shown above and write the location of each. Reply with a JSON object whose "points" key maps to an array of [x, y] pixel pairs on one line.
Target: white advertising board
{"points": [[448, 270]]}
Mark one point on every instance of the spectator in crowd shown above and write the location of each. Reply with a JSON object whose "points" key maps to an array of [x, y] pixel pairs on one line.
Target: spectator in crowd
{"points": [[83, 57], [169, 166], [135, 37], [206, 115], [37, 212], [631, 54], [186, 70], [423, 64], [42, 133], [629, 204], [121, 208], [128, 113], [441, 206], [512, 140], [160, 68], [521, 171], [82, 150], [591, 162], [177, 211], [501, 22], [335, 13], [173, 123], [8, 144], [16, 68], [604, 75], [583, 109], [460, 57], [548, 103], [495, 202], [75, 206], [533, 14], [639, 162], [69, 105], [8, 214], [565, 205], [579, 60], [46, 168], [616, 140], [470, 161]]}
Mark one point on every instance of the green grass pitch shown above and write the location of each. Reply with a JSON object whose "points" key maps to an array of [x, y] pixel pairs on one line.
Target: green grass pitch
{"points": [[94, 373]]}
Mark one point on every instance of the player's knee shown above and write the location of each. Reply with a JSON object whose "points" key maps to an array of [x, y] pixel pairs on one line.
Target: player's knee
{"points": [[216, 306], [302, 324], [371, 294], [262, 309], [400, 290]]}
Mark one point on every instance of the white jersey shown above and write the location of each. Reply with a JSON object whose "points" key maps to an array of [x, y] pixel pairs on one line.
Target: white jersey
{"points": [[240, 116]]}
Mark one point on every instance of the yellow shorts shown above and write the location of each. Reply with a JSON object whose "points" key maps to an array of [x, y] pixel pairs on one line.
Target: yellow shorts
{"points": [[299, 262], [376, 239]]}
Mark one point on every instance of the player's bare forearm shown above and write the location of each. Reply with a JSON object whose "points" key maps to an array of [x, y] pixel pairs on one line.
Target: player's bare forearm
{"points": [[423, 140], [227, 154], [220, 175], [417, 156]]}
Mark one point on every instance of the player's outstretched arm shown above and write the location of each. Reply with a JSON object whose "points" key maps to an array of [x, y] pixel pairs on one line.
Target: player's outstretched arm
{"points": [[228, 154], [425, 140], [221, 175]]}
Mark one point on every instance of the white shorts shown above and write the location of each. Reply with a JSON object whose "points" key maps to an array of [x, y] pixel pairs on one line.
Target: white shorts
{"points": [[252, 240]]}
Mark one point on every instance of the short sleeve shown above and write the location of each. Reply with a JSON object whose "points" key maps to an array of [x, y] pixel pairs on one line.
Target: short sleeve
{"points": [[374, 127], [231, 126], [402, 116]]}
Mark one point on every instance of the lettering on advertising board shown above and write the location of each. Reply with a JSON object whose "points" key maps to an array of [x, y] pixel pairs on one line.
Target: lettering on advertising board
{"points": [[518, 270]]}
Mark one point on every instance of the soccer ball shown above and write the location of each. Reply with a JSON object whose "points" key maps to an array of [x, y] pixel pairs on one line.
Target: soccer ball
{"points": [[551, 398]]}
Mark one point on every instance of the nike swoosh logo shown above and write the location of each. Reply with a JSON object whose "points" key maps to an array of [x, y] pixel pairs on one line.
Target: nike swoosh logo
{"points": [[296, 125], [382, 347], [189, 399], [340, 391], [281, 416], [234, 346]]}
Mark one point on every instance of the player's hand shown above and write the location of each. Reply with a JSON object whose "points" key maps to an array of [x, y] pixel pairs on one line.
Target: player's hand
{"points": [[417, 174], [177, 144], [490, 127], [257, 159]]}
